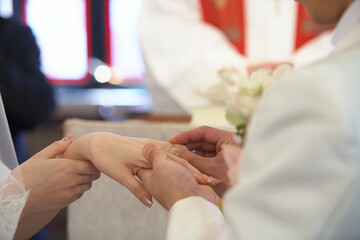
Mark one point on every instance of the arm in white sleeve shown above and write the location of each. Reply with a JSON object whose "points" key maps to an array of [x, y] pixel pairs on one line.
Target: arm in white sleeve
{"points": [[194, 218], [299, 175]]}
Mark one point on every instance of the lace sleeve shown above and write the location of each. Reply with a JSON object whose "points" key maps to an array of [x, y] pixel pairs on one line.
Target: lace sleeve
{"points": [[12, 201]]}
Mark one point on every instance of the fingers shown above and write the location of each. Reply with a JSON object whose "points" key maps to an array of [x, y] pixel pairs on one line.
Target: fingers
{"points": [[182, 161], [194, 135], [83, 187], [202, 146], [85, 179], [201, 134], [85, 167], [125, 177], [153, 154], [144, 175], [204, 164], [137, 188], [78, 191], [54, 149], [197, 161], [199, 176]]}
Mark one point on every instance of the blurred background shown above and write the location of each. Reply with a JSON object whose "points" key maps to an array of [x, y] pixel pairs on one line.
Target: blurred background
{"points": [[90, 55], [100, 68], [86, 44]]}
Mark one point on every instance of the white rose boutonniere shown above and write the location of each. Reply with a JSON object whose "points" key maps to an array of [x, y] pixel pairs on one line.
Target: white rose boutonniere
{"points": [[243, 103]]}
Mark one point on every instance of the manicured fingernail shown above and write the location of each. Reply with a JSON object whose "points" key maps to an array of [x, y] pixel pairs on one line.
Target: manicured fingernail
{"points": [[147, 201], [68, 137], [237, 139], [214, 182], [205, 179]]}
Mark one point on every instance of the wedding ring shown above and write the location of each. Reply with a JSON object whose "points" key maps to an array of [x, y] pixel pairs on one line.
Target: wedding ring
{"points": [[172, 145], [210, 179]]}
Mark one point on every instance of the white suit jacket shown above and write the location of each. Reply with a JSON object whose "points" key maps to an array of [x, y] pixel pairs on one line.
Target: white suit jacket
{"points": [[300, 173]]}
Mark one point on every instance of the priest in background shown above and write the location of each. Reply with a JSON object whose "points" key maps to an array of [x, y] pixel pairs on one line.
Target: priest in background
{"points": [[299, 172], [186, 42]]}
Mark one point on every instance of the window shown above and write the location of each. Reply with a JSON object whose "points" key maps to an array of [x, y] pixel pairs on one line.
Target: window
{"points": [[6, 8], [62, 30], [123, 47]]}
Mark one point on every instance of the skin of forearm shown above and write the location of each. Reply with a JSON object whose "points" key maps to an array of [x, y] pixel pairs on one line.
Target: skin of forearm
{"points": [[87, 146], [80, 149]]}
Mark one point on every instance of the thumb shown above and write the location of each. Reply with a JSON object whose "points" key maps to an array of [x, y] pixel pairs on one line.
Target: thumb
{"points": [[153, 154], [54, 149], [197, 161]]}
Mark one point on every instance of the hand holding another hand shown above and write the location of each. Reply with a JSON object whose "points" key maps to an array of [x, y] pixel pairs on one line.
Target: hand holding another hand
{"points": [[169, 181], [205, 152], [121, 158], [55, 182]]}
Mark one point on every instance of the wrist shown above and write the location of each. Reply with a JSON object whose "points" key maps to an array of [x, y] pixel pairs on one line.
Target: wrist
{"points": [[81, 148], [87, 146], [195, 192]]}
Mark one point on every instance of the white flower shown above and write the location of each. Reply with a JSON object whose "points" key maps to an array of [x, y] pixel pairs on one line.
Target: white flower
{"points": [[254, 85], [241, 106], [220, 92], [278, 72]]}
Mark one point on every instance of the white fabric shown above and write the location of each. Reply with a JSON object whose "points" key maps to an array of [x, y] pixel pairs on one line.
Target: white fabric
{"points": [[300, 173], [183, 53], [176, 48], [12, 201], [348, 21], [7, 150], [212, 216], [12, 193]]}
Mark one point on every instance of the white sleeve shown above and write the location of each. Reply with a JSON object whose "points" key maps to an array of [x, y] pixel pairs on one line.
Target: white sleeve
{"points": [[181, 52], [12, 192], [194, 218], [12, 201], [300, 169], [299, 175]]}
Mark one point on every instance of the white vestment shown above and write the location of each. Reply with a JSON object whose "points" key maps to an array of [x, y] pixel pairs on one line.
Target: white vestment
{"points": [[12, 193], [300, 171], [183, 53]]}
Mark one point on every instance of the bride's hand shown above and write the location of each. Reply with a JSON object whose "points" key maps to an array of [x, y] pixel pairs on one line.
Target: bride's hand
{"points": [[121, 157], [170, 182], [55, 182]]}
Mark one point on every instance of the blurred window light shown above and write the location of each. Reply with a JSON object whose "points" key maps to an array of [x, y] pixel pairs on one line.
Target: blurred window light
{"points": [[6, 8], [60, 27], [103, 74], [124, 53]]}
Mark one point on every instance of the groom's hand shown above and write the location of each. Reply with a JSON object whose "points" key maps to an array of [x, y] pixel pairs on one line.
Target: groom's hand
{"points": [[205, 141], [205, 152], [168, 181]]}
